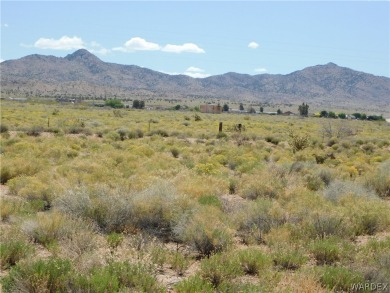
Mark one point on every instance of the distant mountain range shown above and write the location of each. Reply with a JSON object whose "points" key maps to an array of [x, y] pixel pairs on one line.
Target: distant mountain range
{"points": [[83, 74]]}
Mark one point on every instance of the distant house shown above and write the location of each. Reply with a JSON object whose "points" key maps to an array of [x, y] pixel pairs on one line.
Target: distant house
{"points": [[211, 108], [288, 113]]}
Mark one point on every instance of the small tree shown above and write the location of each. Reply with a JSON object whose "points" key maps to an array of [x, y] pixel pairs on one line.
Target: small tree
{"points": [[303, 110], [225, 108], [177, 107], [136, 104], [332, 114], [241, 107], [261, 109], [114, 103], [279, 112], [342, 115], [141, 104], [323, 113], [252, 110]]}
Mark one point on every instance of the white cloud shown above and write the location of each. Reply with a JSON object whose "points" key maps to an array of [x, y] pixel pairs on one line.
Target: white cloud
{"points": [[191, 71], [253, 45], [261, 70], [96, 48], [195, 72], [6, 25], [138, 44], [187, 48], [2, 60], [64, 43]]}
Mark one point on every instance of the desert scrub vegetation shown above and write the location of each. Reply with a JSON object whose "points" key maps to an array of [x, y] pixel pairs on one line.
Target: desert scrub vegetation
{"points": [[101, 197]]}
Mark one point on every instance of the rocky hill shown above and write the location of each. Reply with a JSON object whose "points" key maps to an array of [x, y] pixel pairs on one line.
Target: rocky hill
{"points": [[82, 74]]}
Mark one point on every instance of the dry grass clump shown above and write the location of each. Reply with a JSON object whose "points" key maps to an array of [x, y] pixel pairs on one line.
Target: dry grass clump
{"points": [[380, 180]]}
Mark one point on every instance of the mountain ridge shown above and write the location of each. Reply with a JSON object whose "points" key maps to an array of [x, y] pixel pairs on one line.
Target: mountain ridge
{"points": [[81, 73]]}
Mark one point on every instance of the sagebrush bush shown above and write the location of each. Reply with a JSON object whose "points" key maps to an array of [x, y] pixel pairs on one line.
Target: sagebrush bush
{"points": [[12, 251], [205, 230], [51, 275], [337, 189], [380, 180], [219, 268], [34, 131], [254, 220], [49, 227]]}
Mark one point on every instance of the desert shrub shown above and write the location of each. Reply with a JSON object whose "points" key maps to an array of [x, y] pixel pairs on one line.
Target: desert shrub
{"points": [[34, 131], [194, 284], [118, 276], [270, 187], [313, 182], [325, 175], [114, 240], [157, 209], [254, 220], [252, 261], [221, 135], [160, 132], [298, 142], [179, 263], [12, 251], [337, 189], [175, 152], [51, 275], [233, 186], [325, 251], [232, 286], [109, 210], [123, 134], [288, 258], [197, 117], [272, 139], [380, 180], [211, 200], [324, 225], [204, 230], [339, 278], [3, 128], [219, 268], [31, 188], [48, 228]]}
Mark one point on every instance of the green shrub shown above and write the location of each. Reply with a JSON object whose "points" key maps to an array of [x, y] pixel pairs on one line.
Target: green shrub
{"points": [[114, 103], [272, 139], [34, 131], [339, 278], [252, 261], [3, 128], [221, 135], [194, 284], [51, 275], [219, 268], [289, 259], [324, 225], [12, 251], [325, 251], [114, 240], [115, 277], [160, 132], [175, 152], [211, 200], [179, 263]]}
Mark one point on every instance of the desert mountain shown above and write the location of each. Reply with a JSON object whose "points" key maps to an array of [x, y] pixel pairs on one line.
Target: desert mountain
{"points": [[82, 74]]}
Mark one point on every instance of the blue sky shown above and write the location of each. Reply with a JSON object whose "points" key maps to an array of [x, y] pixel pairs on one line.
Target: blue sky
{"points": [[204, 38]]}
